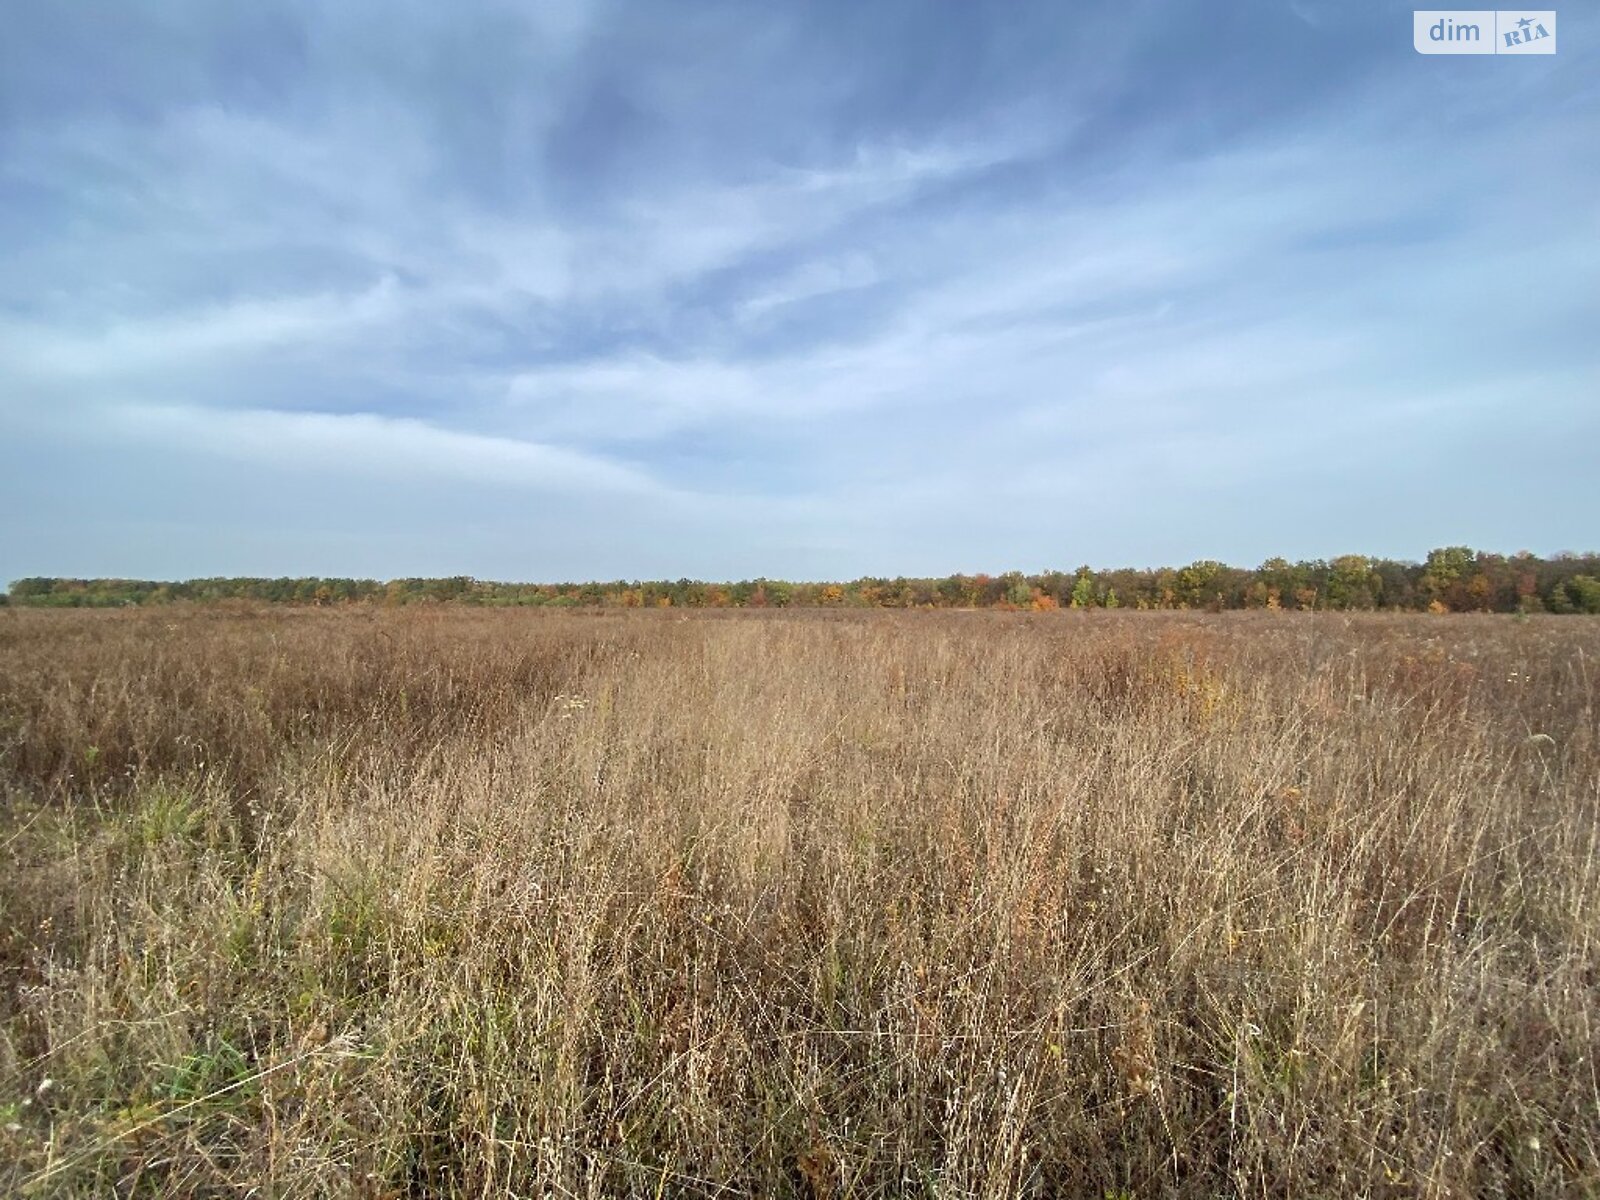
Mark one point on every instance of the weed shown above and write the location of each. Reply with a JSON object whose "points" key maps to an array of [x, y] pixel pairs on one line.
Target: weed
{"points": [[834, 904]]}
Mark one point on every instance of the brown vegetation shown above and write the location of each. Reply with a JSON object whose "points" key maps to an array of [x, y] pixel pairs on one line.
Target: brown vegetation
{"points": [[460, 902]]}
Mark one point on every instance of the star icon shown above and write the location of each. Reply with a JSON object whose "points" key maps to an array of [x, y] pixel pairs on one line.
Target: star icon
{"points": [[1524, 23]]}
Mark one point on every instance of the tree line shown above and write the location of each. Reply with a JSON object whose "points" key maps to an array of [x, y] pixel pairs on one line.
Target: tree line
{"points": [[1451, 579]]}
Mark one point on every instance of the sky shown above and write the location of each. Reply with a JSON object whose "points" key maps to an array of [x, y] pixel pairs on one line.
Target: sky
{"points": [[560, 290]]}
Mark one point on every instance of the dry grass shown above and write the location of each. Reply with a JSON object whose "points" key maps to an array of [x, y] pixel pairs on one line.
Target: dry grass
{"points": [[464, 903]]}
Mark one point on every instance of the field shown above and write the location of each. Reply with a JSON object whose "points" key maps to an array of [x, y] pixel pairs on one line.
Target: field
{"points": [[446, 901]]}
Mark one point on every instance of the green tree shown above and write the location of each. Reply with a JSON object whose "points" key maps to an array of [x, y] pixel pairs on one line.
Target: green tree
{"points": [[1198, 584], [1583, 593], [1083, 595], [1351, 582], [1018, 592]]}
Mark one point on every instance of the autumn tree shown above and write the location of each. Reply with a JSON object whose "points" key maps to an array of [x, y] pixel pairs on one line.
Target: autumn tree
{"points": [[1198, 585], [1445, 573], [1351, 582]]}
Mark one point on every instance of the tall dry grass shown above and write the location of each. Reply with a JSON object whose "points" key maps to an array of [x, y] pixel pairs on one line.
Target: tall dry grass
{"points": [[462, 903]]}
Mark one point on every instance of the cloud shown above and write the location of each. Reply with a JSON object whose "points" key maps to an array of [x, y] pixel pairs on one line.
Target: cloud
{"points": [[234, 332], [839, 288], [399, 450]]}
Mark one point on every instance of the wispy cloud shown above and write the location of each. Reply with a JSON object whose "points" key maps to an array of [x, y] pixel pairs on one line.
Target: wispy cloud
{"points": [[825, 300], [234, 332], [365, 445]]}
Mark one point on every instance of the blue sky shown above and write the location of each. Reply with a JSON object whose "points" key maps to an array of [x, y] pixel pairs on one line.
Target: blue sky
{"points": [[806, 290]]}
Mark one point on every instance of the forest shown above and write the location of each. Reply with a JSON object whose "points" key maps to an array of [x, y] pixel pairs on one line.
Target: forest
{"points": [[1450, 579]]}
